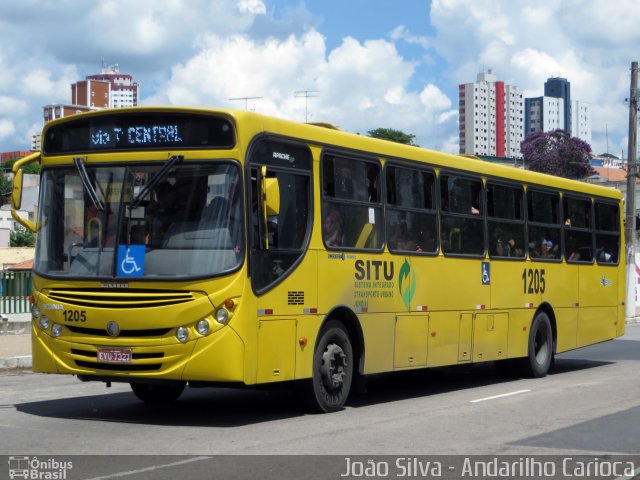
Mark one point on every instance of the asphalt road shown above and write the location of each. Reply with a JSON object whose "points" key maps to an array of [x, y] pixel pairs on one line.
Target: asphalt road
{"points": [[588, 405]]}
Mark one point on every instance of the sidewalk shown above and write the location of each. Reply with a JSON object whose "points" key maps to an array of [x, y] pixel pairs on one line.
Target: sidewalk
{"points": [[15, 341], [15, 350]]}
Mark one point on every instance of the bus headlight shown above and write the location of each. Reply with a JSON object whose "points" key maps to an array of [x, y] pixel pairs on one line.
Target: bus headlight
{"points": [[44, 322], [182, 334], [222, 315], [202, 327], [56, 330], [35, 311]]}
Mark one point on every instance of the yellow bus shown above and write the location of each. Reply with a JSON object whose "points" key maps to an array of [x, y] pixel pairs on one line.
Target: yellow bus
{"points": [[212, 247]]}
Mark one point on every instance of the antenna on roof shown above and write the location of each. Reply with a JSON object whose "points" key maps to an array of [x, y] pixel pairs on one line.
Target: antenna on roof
{"points": [[307, 94], [246, 100]]}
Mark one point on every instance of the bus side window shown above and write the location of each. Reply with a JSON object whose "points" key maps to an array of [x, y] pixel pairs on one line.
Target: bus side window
{"points": [[411, 217], [462, 215], [607, 227], [351, 188], [544, 226], [578, 244], [287, 231], [505, 221]]}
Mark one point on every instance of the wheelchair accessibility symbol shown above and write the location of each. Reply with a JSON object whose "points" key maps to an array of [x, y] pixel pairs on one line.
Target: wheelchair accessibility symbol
{"points": [[131, 260], [486, 273]]}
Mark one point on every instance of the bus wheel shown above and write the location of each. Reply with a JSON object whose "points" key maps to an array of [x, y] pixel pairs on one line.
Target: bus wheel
{"points": [[152, 393], [332, 369], [540, 356]]}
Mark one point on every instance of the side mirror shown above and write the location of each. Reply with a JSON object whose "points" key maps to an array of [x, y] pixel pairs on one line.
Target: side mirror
{"points": [[16, 194], [272, 196], [270, 199]]}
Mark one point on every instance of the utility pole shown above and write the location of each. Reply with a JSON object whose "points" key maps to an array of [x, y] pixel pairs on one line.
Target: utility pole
{"points": [[630, 219], [307, 94]]}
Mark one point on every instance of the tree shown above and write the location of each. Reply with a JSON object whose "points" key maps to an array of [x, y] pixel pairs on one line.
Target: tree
{"points": [[21, 237], [392, 135], [557, 153], [33, 168], [6, 187]]}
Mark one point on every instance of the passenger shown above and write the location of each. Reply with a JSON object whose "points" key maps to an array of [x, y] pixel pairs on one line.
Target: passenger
{"points": [[572, 249], [139, 235], [402, 239], [548, 250], [332, 229]]}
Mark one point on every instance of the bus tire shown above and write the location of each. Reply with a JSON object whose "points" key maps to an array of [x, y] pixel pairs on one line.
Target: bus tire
{"points": [[332, 370], [540, 350], [156, 393]]}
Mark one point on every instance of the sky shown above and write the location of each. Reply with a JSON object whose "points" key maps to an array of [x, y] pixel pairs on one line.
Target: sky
{"points": [[365, 64]]}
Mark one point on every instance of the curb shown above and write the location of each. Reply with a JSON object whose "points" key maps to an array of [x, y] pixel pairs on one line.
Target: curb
{"points": [[23, 361], [15, 327]]}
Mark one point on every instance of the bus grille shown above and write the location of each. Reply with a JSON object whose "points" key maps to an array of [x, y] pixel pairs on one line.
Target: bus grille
{"points": [[92, 361], [129, 298], [100, 332]]}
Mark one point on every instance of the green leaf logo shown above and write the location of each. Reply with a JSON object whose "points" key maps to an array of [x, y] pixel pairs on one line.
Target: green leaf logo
{"points": [[407, 283]]}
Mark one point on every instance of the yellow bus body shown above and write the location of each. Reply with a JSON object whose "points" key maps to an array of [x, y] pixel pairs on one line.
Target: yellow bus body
{"points": [[451, 318]]}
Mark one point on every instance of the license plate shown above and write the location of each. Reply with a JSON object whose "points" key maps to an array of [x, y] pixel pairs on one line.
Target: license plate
{"points": [[114, 355]]}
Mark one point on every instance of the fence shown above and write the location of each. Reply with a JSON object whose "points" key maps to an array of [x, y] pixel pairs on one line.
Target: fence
{"points": [[15, 288]]}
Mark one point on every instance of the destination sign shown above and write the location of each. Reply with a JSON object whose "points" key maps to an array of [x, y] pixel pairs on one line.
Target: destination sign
{"points": [[138, 131]]}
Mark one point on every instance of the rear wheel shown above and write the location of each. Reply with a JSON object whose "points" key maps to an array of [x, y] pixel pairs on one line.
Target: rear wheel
{"points": [[157, 393], [332, 370], [540, 353]]}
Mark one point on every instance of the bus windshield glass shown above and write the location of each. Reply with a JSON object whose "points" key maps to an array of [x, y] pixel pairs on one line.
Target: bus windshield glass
{"points": [[105, 221]]}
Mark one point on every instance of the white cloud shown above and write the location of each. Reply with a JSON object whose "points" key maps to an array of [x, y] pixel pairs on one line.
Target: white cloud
{"points": [[7, 128], [434, 100], [255, 7], [591, 43], [347, 85], [12, 106]]}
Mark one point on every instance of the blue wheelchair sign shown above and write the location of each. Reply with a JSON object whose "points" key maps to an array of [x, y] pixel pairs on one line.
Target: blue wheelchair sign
{"points": [[486, 273], [130, 260]]}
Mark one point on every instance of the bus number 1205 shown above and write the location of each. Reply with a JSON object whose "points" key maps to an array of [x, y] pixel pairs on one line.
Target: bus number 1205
{"points": [[533, 280], [75, 316]]}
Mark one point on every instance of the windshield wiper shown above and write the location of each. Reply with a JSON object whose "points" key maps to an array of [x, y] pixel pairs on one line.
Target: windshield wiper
{"points": [[87, 184], [156, 179]]}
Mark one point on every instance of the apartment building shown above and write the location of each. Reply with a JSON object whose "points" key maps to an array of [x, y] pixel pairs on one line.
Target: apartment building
{"points": [[491, 117]]}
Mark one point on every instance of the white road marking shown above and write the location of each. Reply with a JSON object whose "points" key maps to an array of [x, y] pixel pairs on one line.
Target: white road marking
{"points": [[517, 392]]}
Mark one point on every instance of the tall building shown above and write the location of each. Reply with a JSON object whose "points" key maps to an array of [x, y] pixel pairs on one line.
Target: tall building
{"points": [[543, 114], [491, 120], [124, 92], [556, 111], [557, 87], [581, 120], [108, 89], [91, 93]]}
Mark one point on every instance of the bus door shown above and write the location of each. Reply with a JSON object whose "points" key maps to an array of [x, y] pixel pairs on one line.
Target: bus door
{"points": [[283, 276]]}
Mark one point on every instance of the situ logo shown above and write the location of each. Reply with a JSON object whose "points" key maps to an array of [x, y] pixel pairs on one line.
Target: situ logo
{"points": [[407, 283], [38, 469]]}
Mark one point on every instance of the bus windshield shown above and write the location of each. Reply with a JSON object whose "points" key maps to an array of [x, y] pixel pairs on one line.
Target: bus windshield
{"points": [[139, 221]]}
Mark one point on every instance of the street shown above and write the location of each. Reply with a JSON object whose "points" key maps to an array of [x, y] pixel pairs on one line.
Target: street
{"points": [[588, 405]]}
